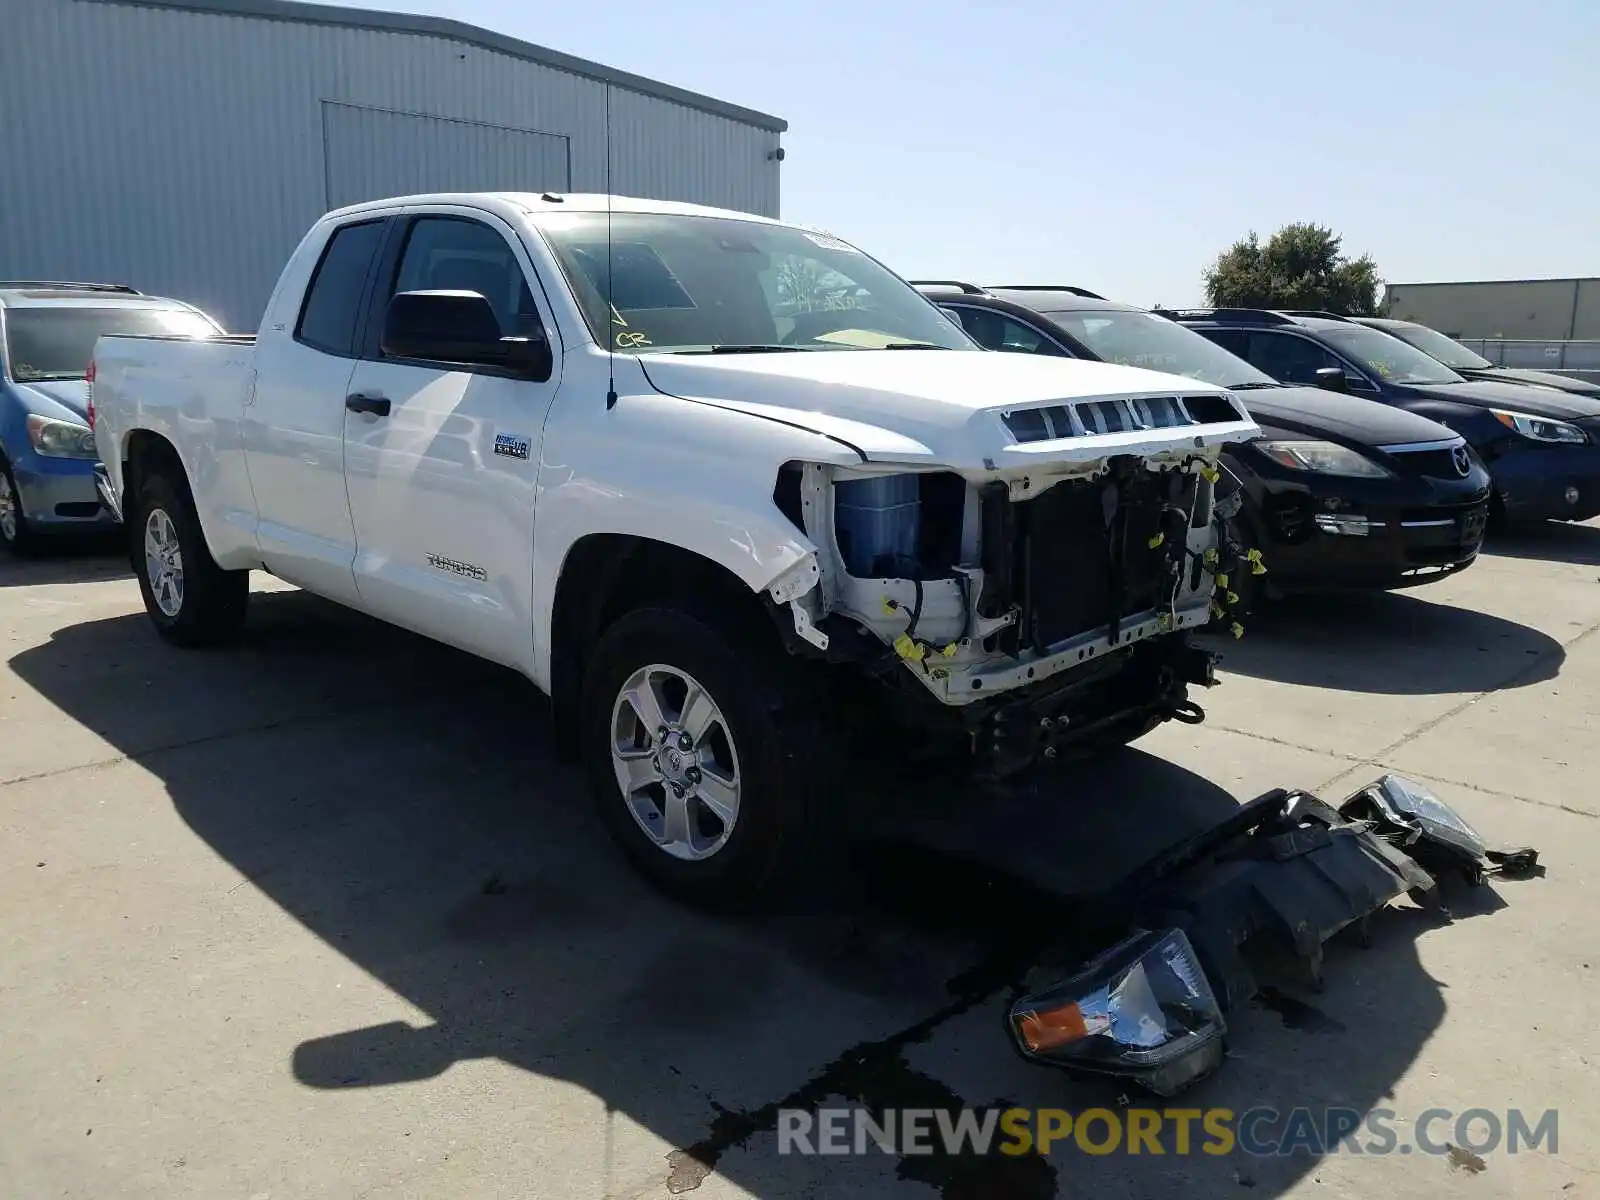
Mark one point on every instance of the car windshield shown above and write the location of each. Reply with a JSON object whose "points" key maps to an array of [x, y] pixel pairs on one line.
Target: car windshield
{"points": [[681, 284], [1436, 345], [58, 342], [1388, 357], [1143, 339]]}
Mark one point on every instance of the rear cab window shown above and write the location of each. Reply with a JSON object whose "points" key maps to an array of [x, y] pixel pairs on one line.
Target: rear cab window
{"points": [[333, 300]]}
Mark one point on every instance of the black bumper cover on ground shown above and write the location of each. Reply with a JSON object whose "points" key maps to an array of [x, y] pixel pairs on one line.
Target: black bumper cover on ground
{"points": [[1262, 892]]}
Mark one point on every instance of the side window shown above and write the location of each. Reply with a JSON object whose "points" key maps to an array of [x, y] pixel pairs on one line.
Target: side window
{"points": [[1234, 341], [1289, 359], [460, 254], [995, 331], [328, 316]]}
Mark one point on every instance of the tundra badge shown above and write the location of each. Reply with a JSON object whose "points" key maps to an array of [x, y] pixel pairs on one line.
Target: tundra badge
{"points": [[466, 570]]}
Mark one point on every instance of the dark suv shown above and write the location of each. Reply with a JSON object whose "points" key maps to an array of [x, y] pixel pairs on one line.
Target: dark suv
{"points": [[1542, 446], [1337, 492], [1472, 364]]}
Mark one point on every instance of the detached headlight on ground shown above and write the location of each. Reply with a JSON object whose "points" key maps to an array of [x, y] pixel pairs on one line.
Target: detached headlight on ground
{"points": [[1405, 801], [1327, 458], [1142, 1010], [61, 439], [1540, 429]]}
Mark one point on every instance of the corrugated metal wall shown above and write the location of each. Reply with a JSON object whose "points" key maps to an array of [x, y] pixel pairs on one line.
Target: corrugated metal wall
{"points": [[1544, 309], [187, 153], [370, 153]]}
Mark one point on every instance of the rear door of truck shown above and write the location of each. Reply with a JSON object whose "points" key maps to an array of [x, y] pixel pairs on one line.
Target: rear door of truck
{"points": [[294, 422]]}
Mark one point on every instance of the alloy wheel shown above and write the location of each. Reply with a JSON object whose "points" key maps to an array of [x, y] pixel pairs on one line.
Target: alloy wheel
{"points": [[675, 763], [163, 562]]}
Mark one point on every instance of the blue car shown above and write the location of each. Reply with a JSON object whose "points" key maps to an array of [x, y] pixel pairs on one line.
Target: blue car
{"points": [[47, 448]]}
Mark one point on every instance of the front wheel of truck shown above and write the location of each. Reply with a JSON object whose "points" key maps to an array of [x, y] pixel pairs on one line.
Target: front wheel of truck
{"points": [[711, 763], [191, 600]]}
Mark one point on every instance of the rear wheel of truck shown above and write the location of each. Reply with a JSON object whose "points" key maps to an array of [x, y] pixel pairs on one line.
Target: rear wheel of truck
{"points": [[191, 600], [709, 761], [15, 534]]}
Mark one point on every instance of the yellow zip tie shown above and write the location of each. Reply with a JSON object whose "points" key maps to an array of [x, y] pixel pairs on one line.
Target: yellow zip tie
{"points": [[949, 651], [1156, 541], [1222, 581], [1257, 567], [1233, 597], [1210, 558], [1237, 630], [890, 606], [1211, 474]]}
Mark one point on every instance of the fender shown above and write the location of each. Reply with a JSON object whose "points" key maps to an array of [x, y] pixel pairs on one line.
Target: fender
{"points": [[699, 477]]}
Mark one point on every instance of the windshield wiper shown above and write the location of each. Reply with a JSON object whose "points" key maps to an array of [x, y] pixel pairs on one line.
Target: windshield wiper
{"points": [[1252, 386], [752, 348], [913, 346]]}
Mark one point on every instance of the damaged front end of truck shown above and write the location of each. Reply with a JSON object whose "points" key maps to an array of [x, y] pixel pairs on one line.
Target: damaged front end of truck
{"points": [[1195, 932], [1035, 599]]}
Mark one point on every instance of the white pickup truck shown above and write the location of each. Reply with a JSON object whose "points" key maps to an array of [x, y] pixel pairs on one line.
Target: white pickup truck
{"points": [[729, 491]]}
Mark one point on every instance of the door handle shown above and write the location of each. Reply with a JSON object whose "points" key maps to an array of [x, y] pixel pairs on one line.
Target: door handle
{"points": [[360, 402]]}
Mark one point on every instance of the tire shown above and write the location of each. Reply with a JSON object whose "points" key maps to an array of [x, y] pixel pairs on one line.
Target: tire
{"points": [[769, 737], [16, 534], [203, 605]]}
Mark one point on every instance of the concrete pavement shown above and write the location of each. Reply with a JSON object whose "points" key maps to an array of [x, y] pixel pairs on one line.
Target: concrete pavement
{"points": [[321, 916]]}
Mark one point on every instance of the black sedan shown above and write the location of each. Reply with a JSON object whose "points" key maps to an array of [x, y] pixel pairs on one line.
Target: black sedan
{"points": [[1469, 363], [1338, 492]]}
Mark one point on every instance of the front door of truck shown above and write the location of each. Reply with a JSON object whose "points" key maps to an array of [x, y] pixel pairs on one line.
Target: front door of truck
{"points": [[441, 460]]}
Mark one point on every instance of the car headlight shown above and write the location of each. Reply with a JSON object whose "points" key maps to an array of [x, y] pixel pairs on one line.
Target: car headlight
{"points": [[61, 439], [1326, 458], [1400, 799], [1143, 1010], [1540, 429]]}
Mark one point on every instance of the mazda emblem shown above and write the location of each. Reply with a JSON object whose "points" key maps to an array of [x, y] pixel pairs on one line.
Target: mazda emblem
{"points": [[1462, 460]]}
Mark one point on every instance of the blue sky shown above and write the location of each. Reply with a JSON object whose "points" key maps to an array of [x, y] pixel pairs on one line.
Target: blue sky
{"points": [[1120, 144]]}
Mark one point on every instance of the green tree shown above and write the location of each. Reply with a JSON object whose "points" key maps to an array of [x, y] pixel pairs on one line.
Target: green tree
{"points": [[1301, 266]]}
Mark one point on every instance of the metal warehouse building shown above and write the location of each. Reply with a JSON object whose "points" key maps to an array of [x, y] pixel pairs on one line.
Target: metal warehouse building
{"points": [[185, 146], [1534, 309]]}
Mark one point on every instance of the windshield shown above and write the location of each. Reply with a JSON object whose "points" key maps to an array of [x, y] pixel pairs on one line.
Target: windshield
{"points": [[1389, 357], [681, 284], [57, 343], [1435, 345], [1142, 339]]}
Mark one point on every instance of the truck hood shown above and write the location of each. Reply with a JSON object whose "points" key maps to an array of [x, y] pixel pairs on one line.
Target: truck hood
{"points": [[945, 407], [64, 399], [1526, 398], [1317, 412]]}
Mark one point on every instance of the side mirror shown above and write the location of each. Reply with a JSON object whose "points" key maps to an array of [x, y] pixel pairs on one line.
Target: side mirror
{"points": [[458, 327], [1332, 379]]}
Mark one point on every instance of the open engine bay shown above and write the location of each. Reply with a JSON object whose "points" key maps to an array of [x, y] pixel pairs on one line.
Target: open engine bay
{"points": [[1035, 610]]}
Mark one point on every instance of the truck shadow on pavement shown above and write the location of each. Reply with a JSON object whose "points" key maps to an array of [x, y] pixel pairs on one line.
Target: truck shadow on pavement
{"points": [[67, 560], [1392, 643], [402, 802], [1553, 541]]}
